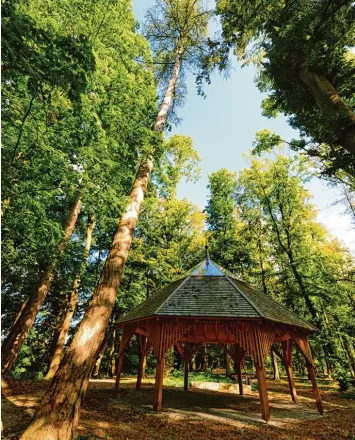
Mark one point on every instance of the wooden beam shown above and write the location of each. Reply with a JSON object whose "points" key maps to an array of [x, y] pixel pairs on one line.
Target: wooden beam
{"points": [[287, 360], [238, 369], [180, 349], [264, 400], [158, 389], [282, 338], [303, 345], [128, 332], [118, 372], [316, 392], [142, 332], [149, 347], [142, 360]]}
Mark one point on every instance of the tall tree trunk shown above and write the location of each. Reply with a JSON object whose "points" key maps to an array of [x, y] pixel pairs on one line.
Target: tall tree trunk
{"points": [[111, 361], [351, 353], [275, 367], [329, 101], [227, 360], [62, 334], [287, 249], [102, 350], [23, 324], [205, 359], [58, 414], [261, 261]]}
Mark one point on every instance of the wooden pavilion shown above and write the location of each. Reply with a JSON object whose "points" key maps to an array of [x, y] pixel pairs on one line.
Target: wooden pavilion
{"points": [[210, 305]]}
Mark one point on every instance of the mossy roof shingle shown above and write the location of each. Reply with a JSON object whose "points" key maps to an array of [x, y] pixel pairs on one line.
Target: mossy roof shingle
{"points": [[210, 291]]}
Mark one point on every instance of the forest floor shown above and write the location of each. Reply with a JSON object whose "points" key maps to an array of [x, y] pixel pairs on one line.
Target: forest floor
{"points": [[197, 414]]}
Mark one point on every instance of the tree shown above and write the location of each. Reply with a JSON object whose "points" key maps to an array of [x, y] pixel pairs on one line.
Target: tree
{"points": [[302, 50], [69, 146], [305, 275], [227, 245], [24, 321], [59, 411], [68, 310]]}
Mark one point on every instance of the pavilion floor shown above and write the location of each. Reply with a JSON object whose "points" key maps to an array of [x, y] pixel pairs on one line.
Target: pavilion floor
{"points": [[196, 414]]}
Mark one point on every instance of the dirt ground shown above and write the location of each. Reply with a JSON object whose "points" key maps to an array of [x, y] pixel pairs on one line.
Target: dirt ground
{"points": [[196, 414]]}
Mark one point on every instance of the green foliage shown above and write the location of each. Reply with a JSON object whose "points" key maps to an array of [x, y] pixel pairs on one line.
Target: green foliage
{"points": [[173, 26], [285, 40], [263, 227]]}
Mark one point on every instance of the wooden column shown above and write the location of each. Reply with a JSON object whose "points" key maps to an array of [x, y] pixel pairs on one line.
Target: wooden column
{"points": [[238, 369], [316, 392], [303, 345], [158, 388], [128, 332], [287, 360], [187, 352], [238, 355], [118, 371], [142, 344], [264, 400]]}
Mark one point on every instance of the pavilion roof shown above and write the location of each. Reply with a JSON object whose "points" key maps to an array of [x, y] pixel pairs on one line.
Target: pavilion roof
{"points": [[208, 290]]}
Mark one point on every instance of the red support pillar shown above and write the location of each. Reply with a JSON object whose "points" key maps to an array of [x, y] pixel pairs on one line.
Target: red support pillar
{"points": [[142, 344], [264, 400], [303, 345], [238, 369], [128, 332], [316, 392], [158, 389], [238, 354], [118, 371], [287, 359]]}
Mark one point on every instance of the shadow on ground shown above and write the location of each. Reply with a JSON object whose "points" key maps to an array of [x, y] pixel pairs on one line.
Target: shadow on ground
{"points": [[196, 414]]}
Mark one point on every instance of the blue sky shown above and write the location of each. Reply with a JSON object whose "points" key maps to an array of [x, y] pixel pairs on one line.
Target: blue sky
{"points": [[223, 127]]}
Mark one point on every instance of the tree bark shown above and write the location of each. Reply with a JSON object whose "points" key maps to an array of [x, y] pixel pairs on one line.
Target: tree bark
{"points": [[68, 313], [111, 368], [102, 350], [275, 367], [24, 322], [351, 353], [58, 414], [329, 101], [227, 360]]}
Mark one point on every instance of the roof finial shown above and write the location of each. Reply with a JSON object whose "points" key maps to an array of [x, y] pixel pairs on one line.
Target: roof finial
{"points": [[207, 253]]}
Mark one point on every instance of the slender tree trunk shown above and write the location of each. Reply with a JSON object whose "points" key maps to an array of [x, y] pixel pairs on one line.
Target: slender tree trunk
{"points": [[287, 248], [329, 101], [23, 324], [68, 313], [111, 361], [227, 360], [261, 261], [205, 359], [351, 353], [19, 313], [275, 367], [58, 414], [102, 350]]}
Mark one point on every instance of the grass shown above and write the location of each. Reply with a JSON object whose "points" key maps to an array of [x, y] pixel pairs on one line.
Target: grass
{"points": [[176, 379]]}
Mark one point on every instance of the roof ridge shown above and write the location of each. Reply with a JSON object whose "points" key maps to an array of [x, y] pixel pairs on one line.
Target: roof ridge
{"points": [[281, 305], [246, 298], [172, 293]]}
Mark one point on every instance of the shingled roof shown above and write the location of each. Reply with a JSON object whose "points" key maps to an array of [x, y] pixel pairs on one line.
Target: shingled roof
{"points": [[208, 290]]}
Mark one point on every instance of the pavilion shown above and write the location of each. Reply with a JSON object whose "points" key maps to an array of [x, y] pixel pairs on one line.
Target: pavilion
{"points": [[210, 305]]}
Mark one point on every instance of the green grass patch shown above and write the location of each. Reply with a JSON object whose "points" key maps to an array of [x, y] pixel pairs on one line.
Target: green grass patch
{"points": [[176, 379]]}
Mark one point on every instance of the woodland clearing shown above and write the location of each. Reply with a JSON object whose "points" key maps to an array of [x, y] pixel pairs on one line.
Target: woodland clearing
{"points": [[197, 414]]}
